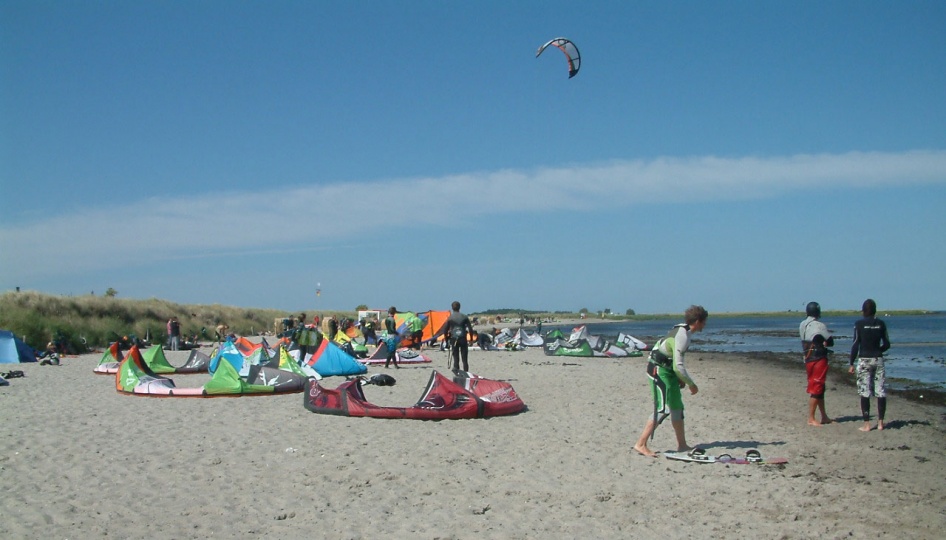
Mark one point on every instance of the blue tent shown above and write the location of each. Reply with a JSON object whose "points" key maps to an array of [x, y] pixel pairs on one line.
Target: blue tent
{"points": [[14, 351]]}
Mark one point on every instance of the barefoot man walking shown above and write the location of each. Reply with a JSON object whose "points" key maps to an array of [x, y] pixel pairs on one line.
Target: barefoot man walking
{"points": [[667, 376]]}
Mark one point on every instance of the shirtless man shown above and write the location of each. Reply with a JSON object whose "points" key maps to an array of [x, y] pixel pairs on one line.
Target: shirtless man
{"points": [[222, 331]]}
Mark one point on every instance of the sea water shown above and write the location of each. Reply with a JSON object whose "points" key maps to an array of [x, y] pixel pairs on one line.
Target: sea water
{"points": [[917, 353]]}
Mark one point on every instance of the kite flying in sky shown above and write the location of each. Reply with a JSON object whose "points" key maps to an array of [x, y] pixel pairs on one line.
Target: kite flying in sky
{"points": [[571, 53]]}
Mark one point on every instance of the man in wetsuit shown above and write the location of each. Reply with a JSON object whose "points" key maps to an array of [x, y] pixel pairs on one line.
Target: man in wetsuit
{"points": [[870, 343], [667, 376], [815, 340], [456, 330]]}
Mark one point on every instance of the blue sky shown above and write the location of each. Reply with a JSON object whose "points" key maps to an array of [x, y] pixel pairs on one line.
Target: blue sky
{"points": [[740, 155]]}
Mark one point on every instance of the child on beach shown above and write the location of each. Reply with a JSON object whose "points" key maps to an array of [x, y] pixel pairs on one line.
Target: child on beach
{"points": [[667, 376]]}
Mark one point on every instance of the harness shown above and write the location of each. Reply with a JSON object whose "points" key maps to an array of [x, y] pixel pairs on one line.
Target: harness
{"points": [[659, 359], [657, 356], [811, 348]]}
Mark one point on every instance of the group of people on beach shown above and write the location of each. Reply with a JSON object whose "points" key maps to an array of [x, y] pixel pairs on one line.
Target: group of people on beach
{"points": [[456, 331], [667, 372], [867, 352]]}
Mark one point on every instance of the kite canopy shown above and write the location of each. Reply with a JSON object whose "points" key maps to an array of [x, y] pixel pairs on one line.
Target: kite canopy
{"points": [[582, 343], [110, 361], [570, 51], [135, 377], [464, 396], [154, 358], [328, 359]]}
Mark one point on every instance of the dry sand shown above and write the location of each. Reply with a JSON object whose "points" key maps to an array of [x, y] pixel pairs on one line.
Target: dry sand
{"points": [[79, 460]]}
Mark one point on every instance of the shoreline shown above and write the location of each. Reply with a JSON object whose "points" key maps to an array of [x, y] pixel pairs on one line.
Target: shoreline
{"points": [[925, 395], [914, 390]]}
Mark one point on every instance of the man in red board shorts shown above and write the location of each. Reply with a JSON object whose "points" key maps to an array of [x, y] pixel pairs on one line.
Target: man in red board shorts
{"points": [[815, 340]]}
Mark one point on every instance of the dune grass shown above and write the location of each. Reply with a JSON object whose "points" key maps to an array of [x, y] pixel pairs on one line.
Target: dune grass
{"points": [[95, 321]]}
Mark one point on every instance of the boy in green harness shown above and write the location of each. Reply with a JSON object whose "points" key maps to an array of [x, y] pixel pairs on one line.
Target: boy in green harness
{"points": [[668, 375]]}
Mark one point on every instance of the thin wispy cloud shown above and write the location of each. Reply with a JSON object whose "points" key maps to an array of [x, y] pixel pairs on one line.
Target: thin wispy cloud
{"points": [[312, 217]]}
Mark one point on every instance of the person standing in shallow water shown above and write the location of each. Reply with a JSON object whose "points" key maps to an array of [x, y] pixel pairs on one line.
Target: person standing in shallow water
{"points": [[668, 375], [815, 340], [870, 343]]}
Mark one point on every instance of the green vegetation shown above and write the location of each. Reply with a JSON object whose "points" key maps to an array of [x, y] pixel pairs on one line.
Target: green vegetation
{"points": [[100, 320]]}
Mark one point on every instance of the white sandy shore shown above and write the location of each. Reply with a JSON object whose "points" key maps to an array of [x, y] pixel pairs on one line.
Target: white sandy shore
{"points": [[79, 460]]}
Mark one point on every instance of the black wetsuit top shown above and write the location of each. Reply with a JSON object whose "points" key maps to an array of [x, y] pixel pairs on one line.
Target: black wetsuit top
{"points": [[870, 339]]}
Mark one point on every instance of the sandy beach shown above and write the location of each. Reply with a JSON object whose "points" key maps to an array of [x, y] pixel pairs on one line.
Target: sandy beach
{"points": [[79, 460]]}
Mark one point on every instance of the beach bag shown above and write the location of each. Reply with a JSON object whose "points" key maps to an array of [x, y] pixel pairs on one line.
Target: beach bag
{"points": [[381, 379]]}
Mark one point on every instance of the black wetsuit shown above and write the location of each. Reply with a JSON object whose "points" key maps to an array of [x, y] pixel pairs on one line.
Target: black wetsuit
{"points": [[461, 347], [870, 339], [870, 343]]}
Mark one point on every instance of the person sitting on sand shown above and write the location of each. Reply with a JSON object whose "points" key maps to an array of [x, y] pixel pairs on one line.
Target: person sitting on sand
{"points": [[484, 338], [870, 343], [667, 376], [815, 340], [50, 356]]}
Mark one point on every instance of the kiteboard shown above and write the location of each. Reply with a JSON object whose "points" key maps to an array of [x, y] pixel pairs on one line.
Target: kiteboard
{"points": [[700, 456], [752, 456], [697, 454]]}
